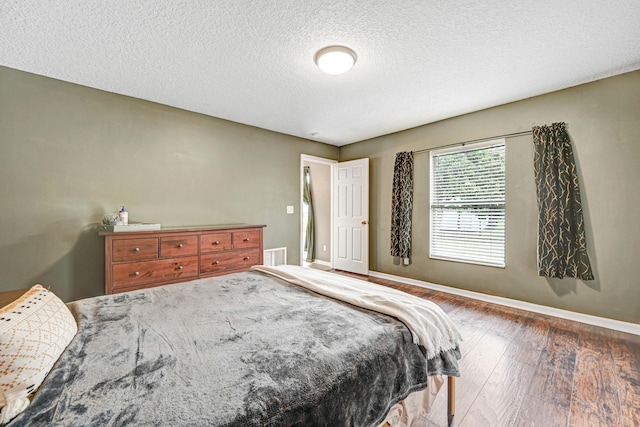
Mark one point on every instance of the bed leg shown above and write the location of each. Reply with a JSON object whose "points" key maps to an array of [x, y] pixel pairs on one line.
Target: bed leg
{"points": [[451, 401]]}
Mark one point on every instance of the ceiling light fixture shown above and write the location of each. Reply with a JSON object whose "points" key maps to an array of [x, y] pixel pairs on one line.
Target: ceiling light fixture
{"points": [[335, 59]]}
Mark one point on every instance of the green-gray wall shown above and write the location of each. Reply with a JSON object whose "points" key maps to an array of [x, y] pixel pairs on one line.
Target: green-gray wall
{"points": [[603, 120], [69, 153]]}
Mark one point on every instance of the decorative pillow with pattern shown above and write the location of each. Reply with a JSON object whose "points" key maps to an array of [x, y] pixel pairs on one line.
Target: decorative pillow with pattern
{"points": [[34, 331]]}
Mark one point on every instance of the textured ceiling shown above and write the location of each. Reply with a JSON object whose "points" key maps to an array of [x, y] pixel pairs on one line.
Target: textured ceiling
{"points": [[252, 61]]}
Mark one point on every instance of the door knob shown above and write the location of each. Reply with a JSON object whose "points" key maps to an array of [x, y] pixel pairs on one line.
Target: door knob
{"points": [[364, 222]]}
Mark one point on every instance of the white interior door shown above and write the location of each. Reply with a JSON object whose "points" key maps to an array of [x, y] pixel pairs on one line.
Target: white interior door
{"points": [[351, 216]]}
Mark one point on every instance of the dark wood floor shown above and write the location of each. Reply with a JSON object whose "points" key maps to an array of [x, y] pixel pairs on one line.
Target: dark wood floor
{"points": [[526, 369]]}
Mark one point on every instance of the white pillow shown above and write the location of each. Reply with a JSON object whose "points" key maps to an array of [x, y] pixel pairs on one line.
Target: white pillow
{"points": [[34, 331]]}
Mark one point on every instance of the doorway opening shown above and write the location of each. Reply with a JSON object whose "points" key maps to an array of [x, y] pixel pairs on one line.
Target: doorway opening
{"points": [[316, 249]]}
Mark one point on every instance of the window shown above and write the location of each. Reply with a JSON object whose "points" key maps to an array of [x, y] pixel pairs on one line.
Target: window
{"points": [[467, 204]]}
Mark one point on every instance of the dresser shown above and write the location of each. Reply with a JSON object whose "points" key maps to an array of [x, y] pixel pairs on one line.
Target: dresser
{"points": [[142, 259]]}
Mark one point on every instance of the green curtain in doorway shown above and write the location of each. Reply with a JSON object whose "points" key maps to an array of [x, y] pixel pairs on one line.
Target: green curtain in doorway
{"points": [[562, 244], [309, 236]]}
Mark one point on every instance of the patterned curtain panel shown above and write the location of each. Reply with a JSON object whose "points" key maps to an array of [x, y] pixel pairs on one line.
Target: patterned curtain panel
{"points": [[309, 236], [402, 203], [562, 246]]}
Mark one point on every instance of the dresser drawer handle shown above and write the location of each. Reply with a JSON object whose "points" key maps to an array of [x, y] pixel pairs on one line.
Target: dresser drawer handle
{"points": [[246, 240], [137, 273], [216, 263], [217, 242], [136, 250], [246, 258], [179, 267], [180, 245]]}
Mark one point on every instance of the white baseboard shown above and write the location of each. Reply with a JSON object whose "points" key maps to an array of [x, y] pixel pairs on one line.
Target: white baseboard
{"points": [[618, 325]]}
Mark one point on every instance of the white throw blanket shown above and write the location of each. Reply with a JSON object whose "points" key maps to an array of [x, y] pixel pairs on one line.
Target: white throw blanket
{"points": [[429, 325]]}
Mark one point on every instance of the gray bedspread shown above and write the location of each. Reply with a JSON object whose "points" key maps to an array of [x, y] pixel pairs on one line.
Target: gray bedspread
{"points": [[237, 350]]}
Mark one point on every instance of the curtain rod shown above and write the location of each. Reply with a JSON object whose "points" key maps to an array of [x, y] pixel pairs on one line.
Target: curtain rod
{"points": [[509, 135]]}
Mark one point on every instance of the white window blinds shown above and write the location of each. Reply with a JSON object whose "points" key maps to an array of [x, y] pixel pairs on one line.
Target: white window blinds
{"points": [[468, 204]]}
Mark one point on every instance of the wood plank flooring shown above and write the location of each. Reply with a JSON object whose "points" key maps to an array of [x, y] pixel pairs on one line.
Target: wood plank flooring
{"points": [[526, 369]]}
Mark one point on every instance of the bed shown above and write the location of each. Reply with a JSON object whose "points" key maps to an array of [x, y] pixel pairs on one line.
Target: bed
{"points": [[273, 346]]}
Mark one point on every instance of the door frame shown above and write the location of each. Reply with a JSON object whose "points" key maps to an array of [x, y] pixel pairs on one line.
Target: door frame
{"points": [[313, 159]]}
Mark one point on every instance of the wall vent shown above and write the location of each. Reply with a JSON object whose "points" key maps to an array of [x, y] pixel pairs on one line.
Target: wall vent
{"points": [[275, 256]]}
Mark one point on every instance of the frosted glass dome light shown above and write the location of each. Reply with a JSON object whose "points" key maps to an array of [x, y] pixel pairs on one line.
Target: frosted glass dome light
{"points": [[335, 59]]}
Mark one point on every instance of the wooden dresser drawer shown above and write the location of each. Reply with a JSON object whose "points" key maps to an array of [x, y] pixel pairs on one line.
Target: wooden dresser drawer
{"points": [[134, 249], [178, 246], [133, 274], [215, 242], [229, 261], [246, 239]]}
